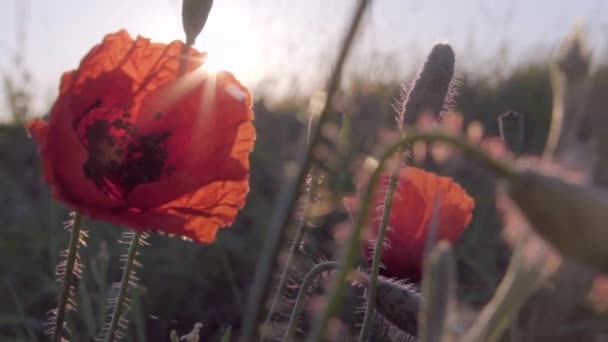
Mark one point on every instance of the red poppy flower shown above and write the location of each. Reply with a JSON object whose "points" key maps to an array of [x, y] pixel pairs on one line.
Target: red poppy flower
{"points": [[414, 201], [131, 142]]}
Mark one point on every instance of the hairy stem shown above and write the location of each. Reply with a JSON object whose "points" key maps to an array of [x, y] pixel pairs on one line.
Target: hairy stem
{"points": [[289, 195], [124, 284], [68, 277], [297, 310], [297, 240], [351, 250], [378, 249]]}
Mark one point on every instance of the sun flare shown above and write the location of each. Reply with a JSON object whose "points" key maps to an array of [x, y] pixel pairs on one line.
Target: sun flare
{"points": [[228, 48]]}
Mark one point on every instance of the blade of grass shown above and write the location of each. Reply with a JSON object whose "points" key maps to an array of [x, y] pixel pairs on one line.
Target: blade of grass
{"points": [[438, 287], [518, 284]]}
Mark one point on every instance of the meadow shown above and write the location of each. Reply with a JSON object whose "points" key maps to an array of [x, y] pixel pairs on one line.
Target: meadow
{"points": [[440, 207]]}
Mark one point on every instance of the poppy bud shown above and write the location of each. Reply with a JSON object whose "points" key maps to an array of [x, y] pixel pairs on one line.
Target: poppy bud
{"points": [[571, 217], [194, 17], [399, 303], [431, 89]]}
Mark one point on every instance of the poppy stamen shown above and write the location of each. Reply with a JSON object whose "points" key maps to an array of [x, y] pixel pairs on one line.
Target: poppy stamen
{"points": [[120, 158]]}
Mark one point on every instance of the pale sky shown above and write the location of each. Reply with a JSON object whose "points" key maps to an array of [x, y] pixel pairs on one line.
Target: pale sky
{"points": [[280, 39]]}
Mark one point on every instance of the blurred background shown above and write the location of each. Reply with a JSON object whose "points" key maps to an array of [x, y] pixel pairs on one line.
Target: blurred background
{"points": [[283, 52]]}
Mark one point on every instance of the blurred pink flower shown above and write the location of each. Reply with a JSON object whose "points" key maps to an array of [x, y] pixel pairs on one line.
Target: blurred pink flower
{"points": [[495, 147]]}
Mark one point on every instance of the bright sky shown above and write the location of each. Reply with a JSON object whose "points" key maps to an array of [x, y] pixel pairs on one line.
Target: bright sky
{"points": [[277, 40]]}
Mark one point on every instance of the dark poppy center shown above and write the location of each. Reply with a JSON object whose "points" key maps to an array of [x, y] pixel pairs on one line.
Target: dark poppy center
{"points": [[120, 158]]}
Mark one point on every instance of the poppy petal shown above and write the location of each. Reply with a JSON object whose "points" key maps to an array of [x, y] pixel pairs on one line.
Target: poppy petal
{"points": [[213, 145], [415, 196]]}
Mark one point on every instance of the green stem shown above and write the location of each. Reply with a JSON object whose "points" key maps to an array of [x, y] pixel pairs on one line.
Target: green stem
{"points": [[292, 250], [124, 284], [68, 277], [377, 257], [297, 310], [289, 195], [352, 247]]}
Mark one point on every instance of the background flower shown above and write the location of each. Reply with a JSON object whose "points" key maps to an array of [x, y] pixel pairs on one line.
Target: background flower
{"points": [[418, 197]]}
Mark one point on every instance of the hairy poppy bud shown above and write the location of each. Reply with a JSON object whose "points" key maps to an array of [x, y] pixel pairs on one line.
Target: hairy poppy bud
{"points": [[399, 303], [194, 17], [431, 89], [571, 217]]}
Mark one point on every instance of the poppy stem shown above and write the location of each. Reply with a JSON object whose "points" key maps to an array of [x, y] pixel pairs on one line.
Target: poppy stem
{"points": [[297, 240], [184, 60], [288, 197], [126, 283], [377, 257], [70, 271], [297, 309], [351, 251]]}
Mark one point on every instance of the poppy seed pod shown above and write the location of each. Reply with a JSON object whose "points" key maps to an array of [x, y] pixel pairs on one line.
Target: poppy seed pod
{"points": [[571, 217], [194, 17]]}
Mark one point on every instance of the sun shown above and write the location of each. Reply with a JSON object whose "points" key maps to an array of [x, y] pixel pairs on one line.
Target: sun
{"points": [[229, 48]]}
